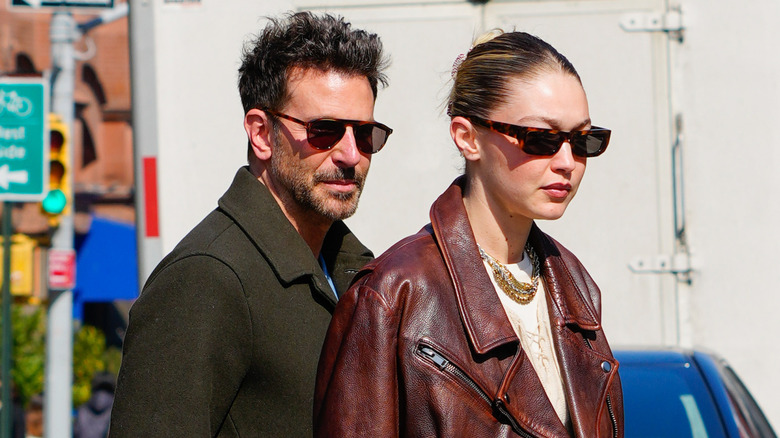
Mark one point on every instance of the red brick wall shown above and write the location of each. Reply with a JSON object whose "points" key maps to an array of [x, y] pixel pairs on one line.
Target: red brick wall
{"points": [[108, 178]]}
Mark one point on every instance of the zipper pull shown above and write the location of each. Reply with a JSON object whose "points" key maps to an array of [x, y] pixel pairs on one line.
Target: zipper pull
{"points": [[437, 358]]}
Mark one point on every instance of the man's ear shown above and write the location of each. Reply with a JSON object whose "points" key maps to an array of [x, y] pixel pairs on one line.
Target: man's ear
{"points": [[259, 130], [465, 137]]}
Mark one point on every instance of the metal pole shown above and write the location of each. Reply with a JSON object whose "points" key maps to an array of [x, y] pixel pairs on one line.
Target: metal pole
{"points": [[143, 77], [5, 412], [59, 330]]}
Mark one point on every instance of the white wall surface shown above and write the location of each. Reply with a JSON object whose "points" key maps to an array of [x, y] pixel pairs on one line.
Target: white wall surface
{"points": [[729, 86], [722, 79], [201, 138]]}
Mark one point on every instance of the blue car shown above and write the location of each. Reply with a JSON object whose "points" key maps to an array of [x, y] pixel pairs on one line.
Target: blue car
{"points": [[686, 393]]}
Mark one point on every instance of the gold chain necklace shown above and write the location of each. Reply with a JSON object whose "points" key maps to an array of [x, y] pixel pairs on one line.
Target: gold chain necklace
{"points": [[519, 292]]}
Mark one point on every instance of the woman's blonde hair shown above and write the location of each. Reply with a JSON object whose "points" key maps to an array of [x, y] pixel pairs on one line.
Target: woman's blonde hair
{"points": [[480, 80]]}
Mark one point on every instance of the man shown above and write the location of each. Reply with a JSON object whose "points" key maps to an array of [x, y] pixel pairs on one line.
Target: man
{"points": [[225, 337]]}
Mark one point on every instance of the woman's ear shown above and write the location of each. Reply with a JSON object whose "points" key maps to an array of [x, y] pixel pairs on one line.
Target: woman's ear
{"points": [[465, 137], [258, 130]]}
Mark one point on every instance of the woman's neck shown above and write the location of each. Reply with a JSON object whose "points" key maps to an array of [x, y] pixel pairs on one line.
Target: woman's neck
{"points": [[498, 232]]}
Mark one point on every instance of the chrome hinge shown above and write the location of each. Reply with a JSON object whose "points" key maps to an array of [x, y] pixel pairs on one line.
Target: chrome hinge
{"points": [[652, 21], [670, 22], [661, 264]]}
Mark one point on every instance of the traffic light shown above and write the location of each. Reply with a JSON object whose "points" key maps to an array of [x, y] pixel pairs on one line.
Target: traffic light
{"points": [[60, 195]]}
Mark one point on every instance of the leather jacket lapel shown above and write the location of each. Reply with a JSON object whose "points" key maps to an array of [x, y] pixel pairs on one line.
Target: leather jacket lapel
{"points": [[480, 309], [524, 398], [587, 374], [593, 373], [571, 305], [513, 385], [573, 320]]}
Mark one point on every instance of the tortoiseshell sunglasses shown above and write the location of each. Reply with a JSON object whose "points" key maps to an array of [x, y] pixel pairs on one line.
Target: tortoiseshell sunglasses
{"points": [[323, 134], [540, 141]]}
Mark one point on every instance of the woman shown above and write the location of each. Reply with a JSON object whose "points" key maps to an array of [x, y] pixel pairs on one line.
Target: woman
{"points": [[481, 325]]}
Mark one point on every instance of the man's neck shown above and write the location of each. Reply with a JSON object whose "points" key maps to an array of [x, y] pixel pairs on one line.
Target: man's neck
{"points": [[311, 226], [312, 232]]}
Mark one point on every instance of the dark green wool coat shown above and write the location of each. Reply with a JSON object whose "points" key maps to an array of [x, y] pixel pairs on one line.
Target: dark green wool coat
{"points": [[225, 337]]}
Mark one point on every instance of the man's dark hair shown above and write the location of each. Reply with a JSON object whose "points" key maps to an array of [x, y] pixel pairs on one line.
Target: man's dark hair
{"points": [[305, 40]]}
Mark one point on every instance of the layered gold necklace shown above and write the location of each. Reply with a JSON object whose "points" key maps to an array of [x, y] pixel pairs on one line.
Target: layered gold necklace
{"points": [[519, 292]]}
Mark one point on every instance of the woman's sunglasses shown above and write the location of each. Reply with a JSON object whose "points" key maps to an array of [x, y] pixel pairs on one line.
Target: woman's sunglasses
{"points": [[323, 134], [540, 141]]}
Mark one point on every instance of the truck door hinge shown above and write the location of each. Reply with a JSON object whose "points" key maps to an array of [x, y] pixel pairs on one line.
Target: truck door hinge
{"points": [[661, 264], [670, 22]]}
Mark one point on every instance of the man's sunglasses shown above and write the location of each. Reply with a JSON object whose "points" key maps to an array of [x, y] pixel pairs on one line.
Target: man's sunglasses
{"points": [[541, 141], [323, 134]]}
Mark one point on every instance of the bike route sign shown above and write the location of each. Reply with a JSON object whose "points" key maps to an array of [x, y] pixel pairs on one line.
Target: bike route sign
{"points": [[23, 131]]}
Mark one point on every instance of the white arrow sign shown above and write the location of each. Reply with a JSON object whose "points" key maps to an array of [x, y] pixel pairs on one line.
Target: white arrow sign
{"points": [[7, 176]]}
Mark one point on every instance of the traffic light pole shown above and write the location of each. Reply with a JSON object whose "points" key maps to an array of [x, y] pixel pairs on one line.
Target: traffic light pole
{"points": [[59, 330], [63, 34]]}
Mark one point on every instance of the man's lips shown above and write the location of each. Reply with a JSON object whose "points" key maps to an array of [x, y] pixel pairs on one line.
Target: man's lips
{"points": [[344, 185]]}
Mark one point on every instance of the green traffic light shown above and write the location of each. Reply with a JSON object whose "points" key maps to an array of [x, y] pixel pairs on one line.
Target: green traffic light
{"points": [[54, 202]]}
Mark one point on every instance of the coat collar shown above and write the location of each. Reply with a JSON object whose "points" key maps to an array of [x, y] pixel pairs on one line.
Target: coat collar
{"points": [[250, 204], [478, 309], [574, 305], [570, 291]]}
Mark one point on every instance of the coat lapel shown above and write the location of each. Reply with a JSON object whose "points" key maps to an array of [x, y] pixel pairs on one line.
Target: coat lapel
{"points": [[515, 385], [572, 312], [593, 373], [526, 400], [344, 255], [483, 315], [247, 198], [587, 373]]}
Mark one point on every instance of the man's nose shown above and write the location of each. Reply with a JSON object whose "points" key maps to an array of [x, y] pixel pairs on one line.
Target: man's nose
{"points": [[346, 153]]}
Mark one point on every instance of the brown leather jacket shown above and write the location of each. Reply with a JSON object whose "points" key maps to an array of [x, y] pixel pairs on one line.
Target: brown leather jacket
{"points": [[420, 346]]}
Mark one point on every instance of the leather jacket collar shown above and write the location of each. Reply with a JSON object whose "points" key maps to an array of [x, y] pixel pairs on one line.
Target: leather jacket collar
{"points": [[573, 300], [470, 279]]}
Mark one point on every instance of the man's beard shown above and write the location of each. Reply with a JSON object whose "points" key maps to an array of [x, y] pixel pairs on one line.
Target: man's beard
{"points": [[300, 182]]}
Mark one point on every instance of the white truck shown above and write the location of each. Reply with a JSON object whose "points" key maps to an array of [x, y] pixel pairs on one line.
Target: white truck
{"points": [[677, 221]]}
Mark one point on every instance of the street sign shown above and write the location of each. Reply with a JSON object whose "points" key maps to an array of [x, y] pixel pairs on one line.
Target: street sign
{"points": [[62, 269], [63, 3], [23, 138]]}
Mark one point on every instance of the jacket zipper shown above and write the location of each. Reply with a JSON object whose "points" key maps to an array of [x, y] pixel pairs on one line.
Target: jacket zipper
{"points": [[445, 365], [612, 416], [609, 401]]}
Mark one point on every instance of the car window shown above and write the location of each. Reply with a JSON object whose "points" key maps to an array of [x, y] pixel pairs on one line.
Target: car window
{"points": [[748, 412], [668, 400]]}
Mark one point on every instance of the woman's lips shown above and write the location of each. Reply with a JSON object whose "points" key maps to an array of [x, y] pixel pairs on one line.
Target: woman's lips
{"points": [[557, 190]]}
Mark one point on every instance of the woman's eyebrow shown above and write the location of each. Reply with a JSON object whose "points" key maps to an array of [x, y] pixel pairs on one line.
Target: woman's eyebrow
{"points": [[555, 123]]}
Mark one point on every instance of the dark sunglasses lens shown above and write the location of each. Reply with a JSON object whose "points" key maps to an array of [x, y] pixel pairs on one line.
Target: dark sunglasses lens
{"points": [[542, 142], [589, 144], [323, 134], [370, 138]]}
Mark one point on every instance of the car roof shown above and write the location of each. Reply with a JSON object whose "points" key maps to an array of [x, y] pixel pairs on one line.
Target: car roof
{"points": [[653, 355], [712, 369]]}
